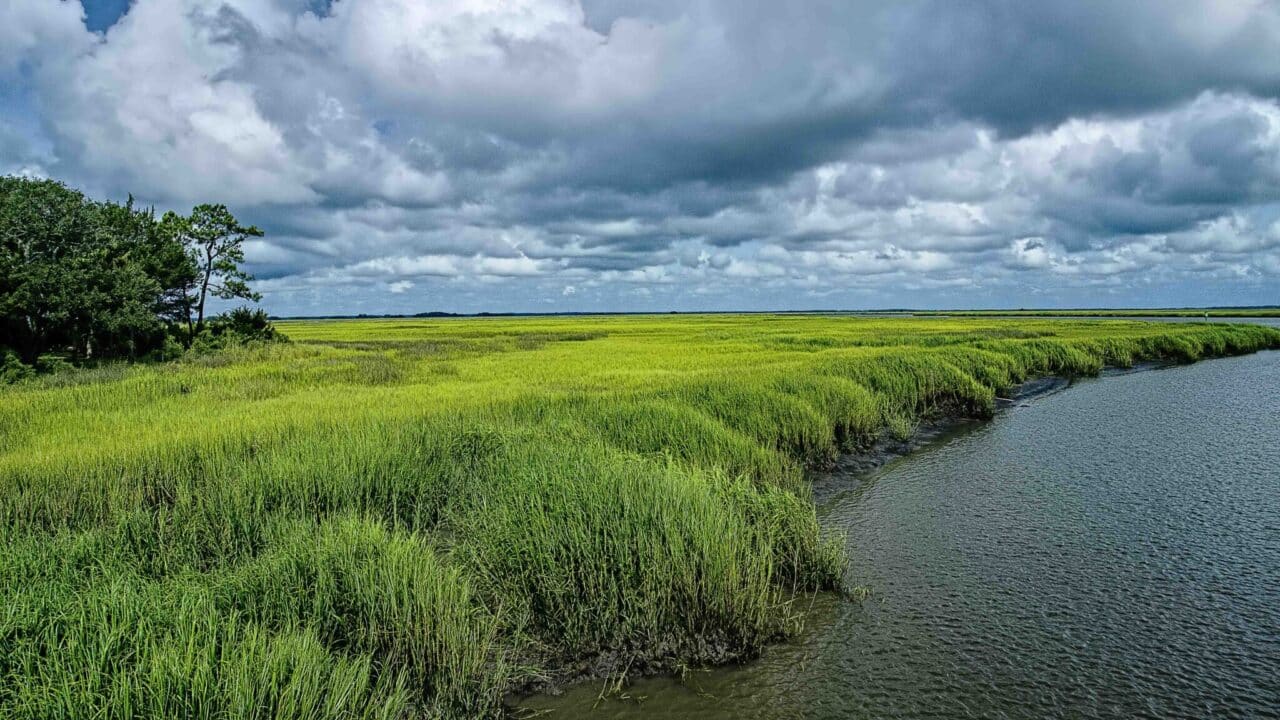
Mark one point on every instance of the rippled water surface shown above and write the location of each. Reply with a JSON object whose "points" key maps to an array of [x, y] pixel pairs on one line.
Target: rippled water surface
{"points": [[1109, 550]]}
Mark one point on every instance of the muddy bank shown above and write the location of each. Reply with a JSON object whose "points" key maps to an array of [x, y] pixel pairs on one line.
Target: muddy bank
{"points": [[616, 667], [832, 478]]}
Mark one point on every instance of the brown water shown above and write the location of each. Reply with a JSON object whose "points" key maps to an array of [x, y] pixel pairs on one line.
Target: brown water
{"points": [[1109, 550]]}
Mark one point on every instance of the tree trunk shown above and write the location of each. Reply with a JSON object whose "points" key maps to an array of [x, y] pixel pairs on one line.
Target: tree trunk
{"points": [[204, 287], [200, 308]]}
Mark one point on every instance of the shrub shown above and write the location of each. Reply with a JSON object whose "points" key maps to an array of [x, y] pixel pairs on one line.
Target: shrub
{"points": [[240, 326], [12, 369]]}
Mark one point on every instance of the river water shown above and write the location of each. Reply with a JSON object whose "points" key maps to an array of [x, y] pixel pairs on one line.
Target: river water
{"points": [[1111, 549]]}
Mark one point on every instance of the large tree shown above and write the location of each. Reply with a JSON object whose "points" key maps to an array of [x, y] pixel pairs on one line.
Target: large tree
{"points": [[172, 263], [215, 240], [42, 226]]}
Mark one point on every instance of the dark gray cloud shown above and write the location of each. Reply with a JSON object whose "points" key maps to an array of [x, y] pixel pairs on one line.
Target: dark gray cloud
{"points": [[552, 154]]}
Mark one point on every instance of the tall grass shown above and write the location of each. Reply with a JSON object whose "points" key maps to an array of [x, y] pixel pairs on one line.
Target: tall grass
{"points": [[412, 518]]}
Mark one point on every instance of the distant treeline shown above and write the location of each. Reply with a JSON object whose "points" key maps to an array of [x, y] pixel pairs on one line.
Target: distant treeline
{"points": [[1242, 311], [89, 280]]}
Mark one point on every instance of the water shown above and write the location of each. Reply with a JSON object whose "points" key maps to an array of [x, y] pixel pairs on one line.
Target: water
{"points": [[1109, 550]]}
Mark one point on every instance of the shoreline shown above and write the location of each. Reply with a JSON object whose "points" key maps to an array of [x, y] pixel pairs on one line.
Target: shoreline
{"points": [[826, 480], [886, 449]]}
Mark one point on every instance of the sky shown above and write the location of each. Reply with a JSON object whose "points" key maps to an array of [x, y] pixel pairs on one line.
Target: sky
{"points": [[598, 155]]}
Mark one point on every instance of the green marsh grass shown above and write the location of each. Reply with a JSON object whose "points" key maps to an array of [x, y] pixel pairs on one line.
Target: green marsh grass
{"points": [[413, 518]]}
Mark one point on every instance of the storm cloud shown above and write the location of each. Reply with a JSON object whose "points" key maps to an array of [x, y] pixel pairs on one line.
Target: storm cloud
{"points": [[474, 155]]}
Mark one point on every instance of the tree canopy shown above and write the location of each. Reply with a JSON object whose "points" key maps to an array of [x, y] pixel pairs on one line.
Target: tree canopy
{"points": [[94, 280]]}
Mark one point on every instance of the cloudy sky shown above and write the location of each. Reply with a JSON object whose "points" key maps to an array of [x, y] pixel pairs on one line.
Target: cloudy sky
{"points": [[548, 155]]}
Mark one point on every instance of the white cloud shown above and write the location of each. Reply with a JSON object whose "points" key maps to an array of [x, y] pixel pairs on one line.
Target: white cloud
{"points": [[1033, 254], [43, 31], [513, 266]]}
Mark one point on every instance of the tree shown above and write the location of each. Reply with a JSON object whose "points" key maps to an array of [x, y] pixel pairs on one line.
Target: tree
{"points": [[216, 243], [42, 227], [177, 304], [170, 261], [74, 273], [140, 268]]}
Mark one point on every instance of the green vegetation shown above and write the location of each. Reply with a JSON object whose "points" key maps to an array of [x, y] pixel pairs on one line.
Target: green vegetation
{"points": [[1225, 312], [400, 518], [85, 281]]}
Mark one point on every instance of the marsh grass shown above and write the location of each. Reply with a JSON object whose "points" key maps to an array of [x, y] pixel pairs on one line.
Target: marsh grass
{"points": [[397, 518]]}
